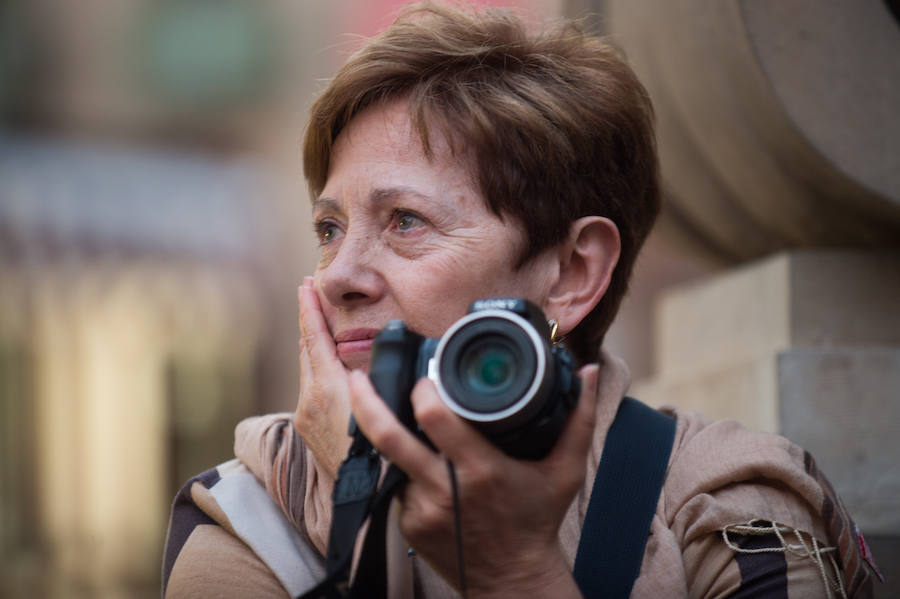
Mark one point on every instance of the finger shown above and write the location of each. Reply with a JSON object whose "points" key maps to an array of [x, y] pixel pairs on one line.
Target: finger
{"points": [[579, 430], [454, 437], [306, 284], [314, 333], [305, 366], [388, 435], [310, 320]]}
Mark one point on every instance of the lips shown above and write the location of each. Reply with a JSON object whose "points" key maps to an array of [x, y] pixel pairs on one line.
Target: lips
{"points": [[354, 341]]}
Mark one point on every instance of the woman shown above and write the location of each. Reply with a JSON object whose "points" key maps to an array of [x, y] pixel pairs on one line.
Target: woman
{"points": [[460, 156]]}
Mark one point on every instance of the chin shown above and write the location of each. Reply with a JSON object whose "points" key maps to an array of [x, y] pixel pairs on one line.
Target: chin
{"points": [[356, 362]]}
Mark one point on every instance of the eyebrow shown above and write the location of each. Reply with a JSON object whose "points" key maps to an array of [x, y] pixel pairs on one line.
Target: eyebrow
{"points": [[329, 204], [382, 194], [376, 196]]}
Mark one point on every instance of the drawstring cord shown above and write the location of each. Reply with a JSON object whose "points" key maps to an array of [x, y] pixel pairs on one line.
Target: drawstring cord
{"points": [[802, 549]]}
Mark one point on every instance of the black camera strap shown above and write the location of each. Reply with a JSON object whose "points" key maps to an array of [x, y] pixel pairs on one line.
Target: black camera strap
{"points": [[629, 479], [356, 497], [371, 573]]}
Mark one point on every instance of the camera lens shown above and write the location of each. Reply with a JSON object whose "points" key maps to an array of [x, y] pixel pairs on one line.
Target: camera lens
{"points": [[488, 368], [488, 365]]}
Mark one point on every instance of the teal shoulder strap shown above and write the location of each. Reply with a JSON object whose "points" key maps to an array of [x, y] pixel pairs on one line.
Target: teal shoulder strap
{"points": [[623, 500]]}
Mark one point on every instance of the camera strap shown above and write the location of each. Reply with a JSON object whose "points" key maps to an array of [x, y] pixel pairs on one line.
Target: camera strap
{"points": [[356, 497], [371, 572], [623, 500]]}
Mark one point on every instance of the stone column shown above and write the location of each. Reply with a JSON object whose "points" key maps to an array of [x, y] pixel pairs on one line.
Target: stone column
{"points": [[805, 344], [779, 137]]}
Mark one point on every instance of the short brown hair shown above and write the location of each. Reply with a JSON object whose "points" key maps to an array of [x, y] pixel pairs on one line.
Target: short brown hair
{"points": [[553, 123]]}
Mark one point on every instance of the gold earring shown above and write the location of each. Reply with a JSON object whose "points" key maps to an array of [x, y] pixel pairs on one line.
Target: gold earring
{"points": [[554, 331]]}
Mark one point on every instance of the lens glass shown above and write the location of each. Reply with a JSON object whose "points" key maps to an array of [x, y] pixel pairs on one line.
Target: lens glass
{"points": [[488, 368]]}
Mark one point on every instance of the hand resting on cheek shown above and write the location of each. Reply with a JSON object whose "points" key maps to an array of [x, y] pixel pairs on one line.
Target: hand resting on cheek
{"points": [[323, 409]]}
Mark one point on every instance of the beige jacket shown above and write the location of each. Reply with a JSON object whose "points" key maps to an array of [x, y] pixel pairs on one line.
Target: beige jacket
{"points": [[267, 538]]}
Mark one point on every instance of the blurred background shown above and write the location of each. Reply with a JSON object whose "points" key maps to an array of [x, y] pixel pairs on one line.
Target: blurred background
{"points": [[154, 227]]}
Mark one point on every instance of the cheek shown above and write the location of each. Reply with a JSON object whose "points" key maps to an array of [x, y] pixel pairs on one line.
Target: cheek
{"points": [[431, 309], [438, 295]]}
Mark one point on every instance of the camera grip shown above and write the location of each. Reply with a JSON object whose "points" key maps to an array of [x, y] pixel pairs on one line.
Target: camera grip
{"points": [[393, 368]]}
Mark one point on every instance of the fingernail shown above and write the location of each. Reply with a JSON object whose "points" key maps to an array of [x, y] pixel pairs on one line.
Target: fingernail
{"points": [[306, 284]]}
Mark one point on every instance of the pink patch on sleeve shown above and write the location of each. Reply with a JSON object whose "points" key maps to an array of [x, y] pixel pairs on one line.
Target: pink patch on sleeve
{"points": [[867, 554]]}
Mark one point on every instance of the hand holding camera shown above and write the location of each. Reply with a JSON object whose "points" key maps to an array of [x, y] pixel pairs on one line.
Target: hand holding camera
{"points": [[510, 509]]}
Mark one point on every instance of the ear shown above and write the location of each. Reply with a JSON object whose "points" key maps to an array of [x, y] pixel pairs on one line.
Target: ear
{"points": [[586, 262]]}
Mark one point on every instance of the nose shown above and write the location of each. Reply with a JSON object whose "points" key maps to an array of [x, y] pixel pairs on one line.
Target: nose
{"points": [[352, 276]]}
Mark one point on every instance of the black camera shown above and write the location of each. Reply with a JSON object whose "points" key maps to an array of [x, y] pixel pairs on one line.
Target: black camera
{"points": [[495, 367]]}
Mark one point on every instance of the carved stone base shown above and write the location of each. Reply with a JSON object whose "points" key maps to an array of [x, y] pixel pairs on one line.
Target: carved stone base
{"points": [[805, 344]]}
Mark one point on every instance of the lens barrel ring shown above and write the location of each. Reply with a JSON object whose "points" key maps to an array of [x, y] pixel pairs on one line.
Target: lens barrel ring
{"points": [[513, 403], [487, 365]]}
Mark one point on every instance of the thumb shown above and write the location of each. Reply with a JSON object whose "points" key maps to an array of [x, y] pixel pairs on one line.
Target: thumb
{"points": [[579, 430]]}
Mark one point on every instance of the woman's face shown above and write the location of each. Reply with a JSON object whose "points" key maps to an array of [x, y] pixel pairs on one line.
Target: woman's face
{"points": [[402, 237]]}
